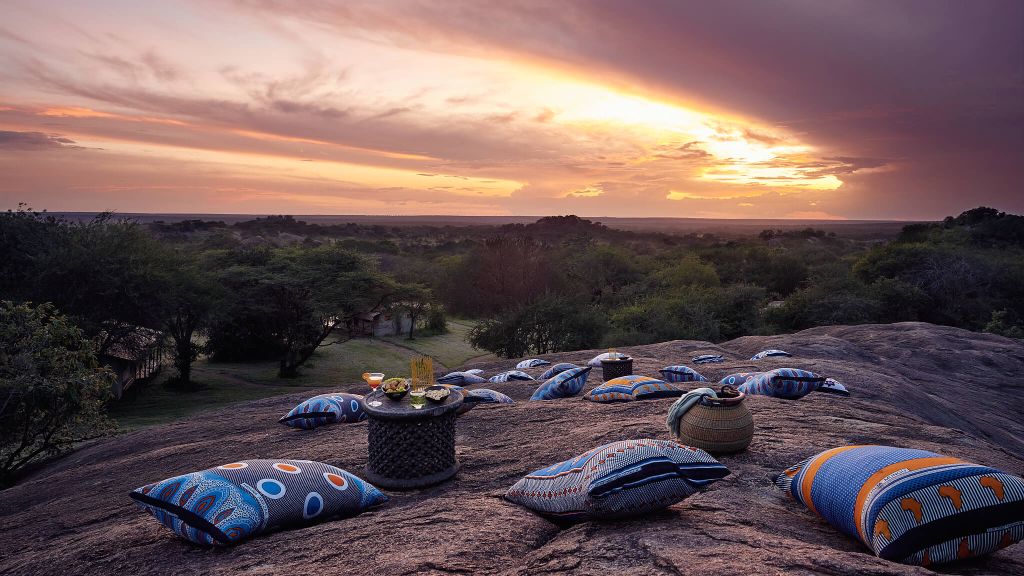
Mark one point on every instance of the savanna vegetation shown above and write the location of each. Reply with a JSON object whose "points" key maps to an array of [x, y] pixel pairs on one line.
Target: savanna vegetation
{"points": [[280, 292]]}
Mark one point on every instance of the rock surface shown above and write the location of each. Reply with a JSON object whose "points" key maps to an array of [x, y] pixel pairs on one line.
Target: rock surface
{"points": [[916, 385]]}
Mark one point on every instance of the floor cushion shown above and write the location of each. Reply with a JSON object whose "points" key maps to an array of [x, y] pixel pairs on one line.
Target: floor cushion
{"points": [[619, 479], [531, 363], [474, 372], [681, 374], [737, 378], [768, 353], [467, 405], [787, 383], [632, 387], [488, 396], [708, 359], [910, 506], [564, 385], [595, 362], [325, 409], [227, 504], [461, 378], [557, 369], [510, 375]]}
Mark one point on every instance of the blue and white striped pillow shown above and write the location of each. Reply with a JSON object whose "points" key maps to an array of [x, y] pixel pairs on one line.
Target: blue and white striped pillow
{"points": [[708, 359], [564, 385], [460, 378], [787, 383], [769, 352], [531, 363], [619, 479], [510, 375], [681, 373], [595, 362], [557, 369], [488, 396]]}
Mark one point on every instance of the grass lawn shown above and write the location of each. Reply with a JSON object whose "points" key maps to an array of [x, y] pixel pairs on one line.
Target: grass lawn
{"points": [[451, 349], [335, 367]]}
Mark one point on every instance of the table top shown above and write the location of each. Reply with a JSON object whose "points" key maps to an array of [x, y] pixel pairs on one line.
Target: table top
{"points": [[403, 410]]}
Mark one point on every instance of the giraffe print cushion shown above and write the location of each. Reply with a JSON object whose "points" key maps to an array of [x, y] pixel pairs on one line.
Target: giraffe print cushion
{"points": [[616, 480], [910, 506], [225, 505]]}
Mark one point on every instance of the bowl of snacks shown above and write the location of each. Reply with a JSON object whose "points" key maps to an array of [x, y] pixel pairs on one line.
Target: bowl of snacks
{"points": [[395, 388], [438, 394]]}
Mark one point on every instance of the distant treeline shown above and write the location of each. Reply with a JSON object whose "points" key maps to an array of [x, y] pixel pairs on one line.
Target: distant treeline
{"points": [[277, 287]]}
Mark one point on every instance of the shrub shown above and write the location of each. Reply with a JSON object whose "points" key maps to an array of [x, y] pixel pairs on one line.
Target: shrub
{"points": [[52, 388]]}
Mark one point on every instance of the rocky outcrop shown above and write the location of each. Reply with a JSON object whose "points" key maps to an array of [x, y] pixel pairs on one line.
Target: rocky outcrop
{"points": [[930, 387]]}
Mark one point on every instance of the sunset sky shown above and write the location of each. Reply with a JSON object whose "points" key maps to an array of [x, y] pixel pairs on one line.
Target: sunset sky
{"points": [[781, 109]]}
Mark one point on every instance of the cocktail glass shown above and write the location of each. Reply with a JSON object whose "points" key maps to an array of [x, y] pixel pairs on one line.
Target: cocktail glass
{"points": [[374, 379]]}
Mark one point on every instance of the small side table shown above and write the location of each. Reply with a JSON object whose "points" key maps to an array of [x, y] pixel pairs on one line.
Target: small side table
{"points": [[616, 368], [410, 448]]}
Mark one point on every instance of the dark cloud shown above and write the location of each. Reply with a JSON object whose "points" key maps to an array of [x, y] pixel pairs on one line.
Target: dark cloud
{"points": [[33, 141]]}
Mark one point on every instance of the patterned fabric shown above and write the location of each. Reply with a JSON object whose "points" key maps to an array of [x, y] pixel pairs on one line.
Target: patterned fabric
{"points": [[770, 352], [681, 374], [488, 396], [595, 362], [619, 479], [708, 359], [475, 372], [227, 504], [510, 375], [557, 369], [531, 363], [325, 409], [787, 383], [738, 378], [460, 378], [633, 387], [680, 407], [910, 506], [564, 385]]}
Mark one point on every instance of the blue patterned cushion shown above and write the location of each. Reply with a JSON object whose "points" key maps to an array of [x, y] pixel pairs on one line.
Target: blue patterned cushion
{"points": [[834, 387], [632, 387], [488, 396], [510, 375], [466, 405], [738, 378], [227, 504], [595, 362], [681, 374], [474, 372], [564, 385], [325, 409], [910, 506], [531, 363], [708, 359], [460, 378], [788, 383], [770, 352], [619, 479], [557, 369]]}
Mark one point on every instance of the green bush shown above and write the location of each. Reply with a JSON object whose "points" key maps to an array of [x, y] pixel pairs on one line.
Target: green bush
{"points": [[52, 389]]}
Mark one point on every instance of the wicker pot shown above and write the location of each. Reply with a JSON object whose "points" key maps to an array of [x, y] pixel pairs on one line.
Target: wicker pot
{"points": [[717, 425], [616, 368]]}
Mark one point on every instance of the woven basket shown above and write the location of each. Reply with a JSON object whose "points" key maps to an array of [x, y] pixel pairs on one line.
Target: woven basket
{"points": [[718, 425]]}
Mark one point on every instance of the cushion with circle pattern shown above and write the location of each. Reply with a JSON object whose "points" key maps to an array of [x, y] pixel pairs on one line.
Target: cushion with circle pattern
{"points": [[910, 506], [225, 505], [595, 362], [564, 385], [632, 387], [619, 479], [332, 408]]}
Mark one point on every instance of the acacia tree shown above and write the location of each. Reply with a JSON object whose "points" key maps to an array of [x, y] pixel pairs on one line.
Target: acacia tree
{"points": [[189, 300], [52, 389]]}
